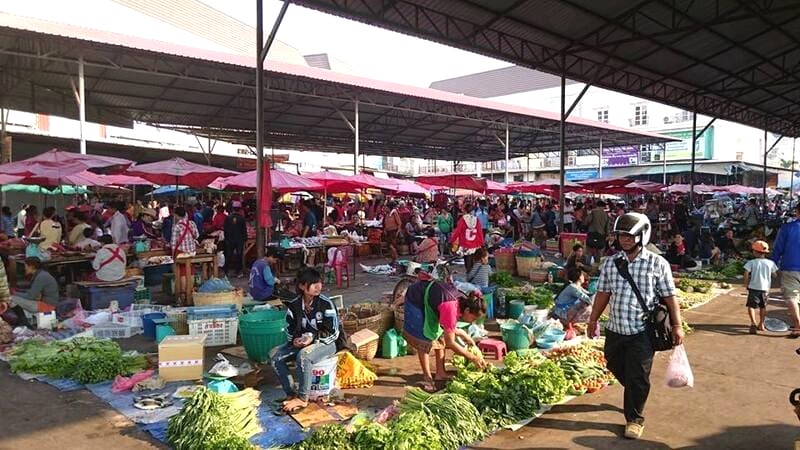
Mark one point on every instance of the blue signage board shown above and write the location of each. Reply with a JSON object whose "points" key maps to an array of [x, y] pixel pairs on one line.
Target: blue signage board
{"points": [[580, 174]]}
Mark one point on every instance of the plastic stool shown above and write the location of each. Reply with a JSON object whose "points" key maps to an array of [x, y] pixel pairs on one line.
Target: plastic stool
{"points": [[493, 346]]}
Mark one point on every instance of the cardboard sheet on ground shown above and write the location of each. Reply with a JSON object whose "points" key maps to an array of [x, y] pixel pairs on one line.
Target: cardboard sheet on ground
{"points": [[236, 352], [315, 415]]}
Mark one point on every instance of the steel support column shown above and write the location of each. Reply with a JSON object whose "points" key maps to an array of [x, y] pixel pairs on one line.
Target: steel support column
{"points": [[664, 161], [764, 187], [791, 180], [508, 146], [82, 105], [261, 55], [356, 148], [563, 159], [691, 172], [600, 160]]}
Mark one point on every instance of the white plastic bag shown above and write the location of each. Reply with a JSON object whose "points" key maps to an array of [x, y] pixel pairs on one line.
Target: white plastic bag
{"points": [[679, 373]]}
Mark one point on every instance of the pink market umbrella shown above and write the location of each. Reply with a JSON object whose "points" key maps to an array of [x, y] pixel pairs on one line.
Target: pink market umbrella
{"points": [[64, 175], [10, 179], [678, 188], [126, 180], [282, 182], [178, 171], [337, 183], [604, 183], [407, 187], [545, 187], [66, 161], [493, 187]]}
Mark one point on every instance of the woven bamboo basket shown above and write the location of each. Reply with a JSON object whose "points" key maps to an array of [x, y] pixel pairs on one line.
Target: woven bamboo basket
{"points": [[505, 262], [371, 316], [527, 263], [235, 297], [538, 275], [368, 350]]}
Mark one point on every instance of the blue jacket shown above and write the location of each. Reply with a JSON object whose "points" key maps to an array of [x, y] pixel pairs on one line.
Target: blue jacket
{"points": [[787, 252]]}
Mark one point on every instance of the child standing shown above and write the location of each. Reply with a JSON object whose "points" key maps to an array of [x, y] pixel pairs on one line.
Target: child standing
{"points": [[758, 278], [480, 271]]}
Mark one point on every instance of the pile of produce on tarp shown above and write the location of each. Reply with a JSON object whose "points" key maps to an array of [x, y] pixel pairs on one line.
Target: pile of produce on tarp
{"points": [[85, 359], [541, 296], [693, 292], [216, 421], [727, 271], [512, 393], [584, 365]]}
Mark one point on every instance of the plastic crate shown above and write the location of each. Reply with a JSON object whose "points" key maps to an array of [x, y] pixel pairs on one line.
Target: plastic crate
{"points": [[142, 295], [114, 331], [154, 274], [100, 297], [133, 317], [212, 312], [217, 331]]}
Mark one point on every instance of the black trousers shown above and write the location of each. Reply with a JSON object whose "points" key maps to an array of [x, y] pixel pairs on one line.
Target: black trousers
{"points": [[234, 255], [630, 359]]}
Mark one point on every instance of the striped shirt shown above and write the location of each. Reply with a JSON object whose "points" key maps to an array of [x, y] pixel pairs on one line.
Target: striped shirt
{"points": [[652, 275], [479, 275]]}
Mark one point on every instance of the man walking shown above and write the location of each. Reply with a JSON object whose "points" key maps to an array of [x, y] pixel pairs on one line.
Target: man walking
{"points": [[787, 256], [235, 237], [628, 349]]}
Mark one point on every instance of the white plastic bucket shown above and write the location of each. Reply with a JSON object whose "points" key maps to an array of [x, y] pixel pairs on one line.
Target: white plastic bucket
{"points": [[541, 314], [323, 378]]}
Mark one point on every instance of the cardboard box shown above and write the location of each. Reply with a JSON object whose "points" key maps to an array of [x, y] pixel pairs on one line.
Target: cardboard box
{"points": [[181, 358]]}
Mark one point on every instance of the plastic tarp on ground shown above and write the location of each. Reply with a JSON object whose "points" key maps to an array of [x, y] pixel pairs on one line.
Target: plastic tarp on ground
{"points": [[178, 171]]}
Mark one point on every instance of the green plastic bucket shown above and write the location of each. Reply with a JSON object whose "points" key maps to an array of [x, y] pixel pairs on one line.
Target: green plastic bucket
{"points": [[262, 331], [515, 309], [515, 336]]}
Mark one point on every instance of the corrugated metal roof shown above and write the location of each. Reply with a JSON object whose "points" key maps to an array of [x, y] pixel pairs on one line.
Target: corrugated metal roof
{"points": [[732, 59], [499, 82], [130, 78], [320, 61]]}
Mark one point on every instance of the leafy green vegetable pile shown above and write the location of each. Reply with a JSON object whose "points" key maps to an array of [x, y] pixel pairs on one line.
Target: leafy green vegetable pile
{"points": [[718, 273], [515, 392], [540, 296], [502, 279], [85, 360], [216, 421], [456, 419]]}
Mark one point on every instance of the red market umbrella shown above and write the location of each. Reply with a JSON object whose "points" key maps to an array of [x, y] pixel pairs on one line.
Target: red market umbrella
{"points": [[493, 187], [337, 183], [282, 182], [178, 171], [10, 179], [406, 187], [65, 162], [69, 174], [126, 180], [455, 181], [604, 183], [545, 187], [644, 187]]}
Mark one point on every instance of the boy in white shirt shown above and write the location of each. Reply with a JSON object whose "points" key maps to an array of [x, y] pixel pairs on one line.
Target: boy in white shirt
{"points": [[758, 278]]}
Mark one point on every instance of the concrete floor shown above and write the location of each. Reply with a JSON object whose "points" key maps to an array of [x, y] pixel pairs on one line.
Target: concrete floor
{"points": [[739, 400]]}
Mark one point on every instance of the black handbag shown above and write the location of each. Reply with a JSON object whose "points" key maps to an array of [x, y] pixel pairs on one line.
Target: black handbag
{"points": [[656, 322]]}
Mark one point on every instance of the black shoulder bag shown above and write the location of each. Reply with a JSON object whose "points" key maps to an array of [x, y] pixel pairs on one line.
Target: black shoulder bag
{"points": [[656, 322]]}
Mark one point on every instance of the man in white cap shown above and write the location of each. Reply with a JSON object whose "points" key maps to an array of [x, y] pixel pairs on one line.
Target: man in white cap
{"points": [[235, 238]]}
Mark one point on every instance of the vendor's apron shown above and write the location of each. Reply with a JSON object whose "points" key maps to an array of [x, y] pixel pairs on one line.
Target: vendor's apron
{"points": [[422, 323]]}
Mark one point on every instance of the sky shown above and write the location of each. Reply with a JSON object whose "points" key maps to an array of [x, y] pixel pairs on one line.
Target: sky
{"points": [[371, 51]]}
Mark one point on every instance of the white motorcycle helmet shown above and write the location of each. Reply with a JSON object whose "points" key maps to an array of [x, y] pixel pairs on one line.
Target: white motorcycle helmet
{"points": [[634, 224]]}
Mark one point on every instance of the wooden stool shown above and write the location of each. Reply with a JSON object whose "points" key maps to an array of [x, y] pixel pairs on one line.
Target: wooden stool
{"points": [[493, 346]]}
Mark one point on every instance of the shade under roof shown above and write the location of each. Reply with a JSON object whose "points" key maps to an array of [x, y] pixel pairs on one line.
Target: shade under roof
{"points": [[134, 79], [732, 59]]}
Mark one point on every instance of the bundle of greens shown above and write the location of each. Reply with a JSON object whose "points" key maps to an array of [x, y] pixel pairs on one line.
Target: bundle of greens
{"points": [[507, 395], [86, 360], [216, 421], [502, 279], [540, 296], [456, 419], [331, 436], [413, 431], [371, 436]]}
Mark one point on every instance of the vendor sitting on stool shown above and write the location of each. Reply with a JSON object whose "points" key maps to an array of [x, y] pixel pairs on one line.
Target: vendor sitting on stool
{"points": [[110, 262], [432, 309], [573, 302], [262, 281], [42, 296], [313, 329]]}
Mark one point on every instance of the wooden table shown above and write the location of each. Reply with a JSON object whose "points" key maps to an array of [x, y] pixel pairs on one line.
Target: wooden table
{"points": [[205, 260], [323, 248], [70, 265]]}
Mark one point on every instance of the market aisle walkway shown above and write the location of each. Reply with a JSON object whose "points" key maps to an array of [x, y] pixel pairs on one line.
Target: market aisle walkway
{"points": [[740, 398]]}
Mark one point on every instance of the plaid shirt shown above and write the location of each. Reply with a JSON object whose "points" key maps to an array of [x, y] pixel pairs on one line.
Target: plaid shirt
{"points": [[189, 243], [653, 277]]}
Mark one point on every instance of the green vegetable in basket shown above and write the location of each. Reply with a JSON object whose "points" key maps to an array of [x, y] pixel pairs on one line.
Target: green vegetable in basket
{"points": [[502, 279]]}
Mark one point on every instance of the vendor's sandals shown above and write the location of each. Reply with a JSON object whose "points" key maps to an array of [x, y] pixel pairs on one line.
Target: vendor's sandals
{"points": [[294, 406], [429, 386], [634, 430]]}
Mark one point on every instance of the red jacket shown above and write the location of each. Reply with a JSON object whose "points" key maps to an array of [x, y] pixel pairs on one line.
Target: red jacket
{"points": [[468, 233]]}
